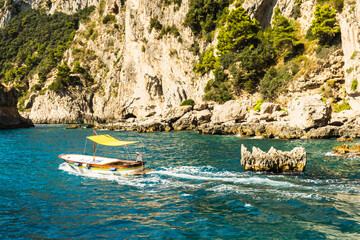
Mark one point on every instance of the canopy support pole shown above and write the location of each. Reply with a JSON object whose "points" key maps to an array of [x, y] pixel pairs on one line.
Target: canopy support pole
{"points": [[94, 144]]}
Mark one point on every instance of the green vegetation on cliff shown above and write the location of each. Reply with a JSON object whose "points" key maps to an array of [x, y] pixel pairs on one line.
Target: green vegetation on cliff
{"points": [[248, 58], [219, 89], [204, 15], [34, 42], [240, 32], [244, 51], [164, 30], [65, 77], [188, 102], [324, 26], [207, 62], [354, 85], [341, 106], [274, 82], [282, 35]]}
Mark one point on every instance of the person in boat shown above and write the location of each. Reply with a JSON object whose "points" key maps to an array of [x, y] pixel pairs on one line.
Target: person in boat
{"points": [[138, 157]]}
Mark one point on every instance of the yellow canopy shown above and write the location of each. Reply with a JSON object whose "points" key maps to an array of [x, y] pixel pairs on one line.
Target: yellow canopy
{"points": [[109, 141]]}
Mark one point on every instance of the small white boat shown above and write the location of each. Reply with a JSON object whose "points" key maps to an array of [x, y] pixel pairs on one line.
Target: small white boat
{"points": [[103, 165]]}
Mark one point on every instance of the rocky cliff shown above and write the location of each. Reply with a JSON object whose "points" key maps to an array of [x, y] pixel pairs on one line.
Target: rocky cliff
{"points": [[9, 114], [139, 73], [350, 34], [136, 73]]}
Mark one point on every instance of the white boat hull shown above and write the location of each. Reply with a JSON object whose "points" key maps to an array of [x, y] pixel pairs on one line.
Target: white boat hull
{"points": [[121, 172], [86, 164]]}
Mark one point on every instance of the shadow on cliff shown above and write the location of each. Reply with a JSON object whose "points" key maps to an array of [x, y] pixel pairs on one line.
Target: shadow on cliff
{"points": [[9, 114]]}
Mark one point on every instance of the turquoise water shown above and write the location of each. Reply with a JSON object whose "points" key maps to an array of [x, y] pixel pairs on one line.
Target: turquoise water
{"points": [[198, 191]]}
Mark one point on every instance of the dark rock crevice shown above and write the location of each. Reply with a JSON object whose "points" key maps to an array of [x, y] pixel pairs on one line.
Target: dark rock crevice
{"points": [[9, 114]]}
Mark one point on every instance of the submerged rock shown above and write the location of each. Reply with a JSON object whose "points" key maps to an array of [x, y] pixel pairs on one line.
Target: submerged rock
{"points": [[344, 149], [74, 126], [274, 160], [345, 139]]}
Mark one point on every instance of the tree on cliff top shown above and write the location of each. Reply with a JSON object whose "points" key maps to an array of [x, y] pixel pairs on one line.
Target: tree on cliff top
{"points": [[283, 37], [239, 32], [203, 15], [324, 26]]}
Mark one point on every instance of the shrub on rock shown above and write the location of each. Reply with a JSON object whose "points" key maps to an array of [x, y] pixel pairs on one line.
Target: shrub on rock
{"points": [[188, 102]]}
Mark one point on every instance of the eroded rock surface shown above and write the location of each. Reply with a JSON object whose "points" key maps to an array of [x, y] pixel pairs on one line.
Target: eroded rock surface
{"points": [[345, 149], [231, 110], [309, 112], [274, 160]]}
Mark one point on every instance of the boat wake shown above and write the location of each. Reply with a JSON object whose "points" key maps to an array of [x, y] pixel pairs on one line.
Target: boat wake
{"points": [[206, 174], [189, 174], [189, 178], [347, 155]]}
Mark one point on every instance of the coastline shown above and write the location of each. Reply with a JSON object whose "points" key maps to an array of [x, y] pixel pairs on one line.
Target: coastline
{"points": [[239, 118], [245, 129]]}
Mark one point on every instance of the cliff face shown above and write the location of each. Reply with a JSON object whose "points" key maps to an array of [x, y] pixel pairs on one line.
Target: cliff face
{"points": [[11, 7], [155, 73], [350, 36], [139, 73], [263, 11], [9, 115]]}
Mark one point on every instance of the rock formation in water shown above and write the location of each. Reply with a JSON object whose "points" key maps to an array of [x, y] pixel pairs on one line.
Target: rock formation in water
{"points": [[345, 149], [9, 114], [274, 160]]}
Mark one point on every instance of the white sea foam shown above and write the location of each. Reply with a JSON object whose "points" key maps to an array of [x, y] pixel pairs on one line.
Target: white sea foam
{"points": [[226, 182], [286, 195], [348, 155], [123, 180], [184, 177], [228, 189], [225, 189], [247, 205], [331, 154], [186, 195], [143, 182], [198, 173]]}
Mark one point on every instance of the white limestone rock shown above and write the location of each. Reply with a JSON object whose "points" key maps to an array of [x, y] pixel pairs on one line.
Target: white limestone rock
{"points": [[350, 39], [61, 108], [175, 113], [203, 116], [274, 160], [231, 110], [269, 108], [309, 112]]}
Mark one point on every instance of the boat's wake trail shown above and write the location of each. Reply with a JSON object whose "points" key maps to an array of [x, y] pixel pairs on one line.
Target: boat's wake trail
{"points": [[188, 175], [189, 178], [210, 174]]}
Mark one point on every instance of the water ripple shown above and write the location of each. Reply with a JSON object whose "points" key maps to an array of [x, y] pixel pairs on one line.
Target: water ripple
{"points": [[198, 191]]}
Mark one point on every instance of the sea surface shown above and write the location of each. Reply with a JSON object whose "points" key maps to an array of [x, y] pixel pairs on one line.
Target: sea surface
{"points": [[197, 191]]}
